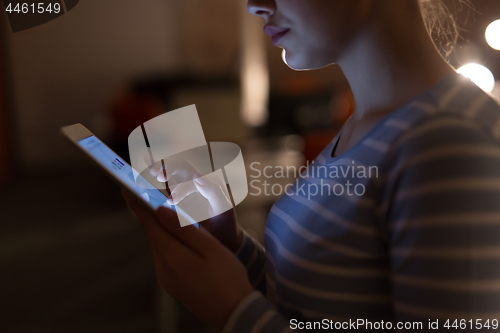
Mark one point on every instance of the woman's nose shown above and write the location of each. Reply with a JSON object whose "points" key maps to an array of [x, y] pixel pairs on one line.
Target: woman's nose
{"points": [[262, 8]]}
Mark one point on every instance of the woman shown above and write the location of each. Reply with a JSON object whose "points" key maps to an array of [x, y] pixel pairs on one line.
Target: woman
{"points": [[420, 243]]}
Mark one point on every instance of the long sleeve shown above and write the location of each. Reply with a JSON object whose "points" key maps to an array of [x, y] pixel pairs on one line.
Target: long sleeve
{"points": [[255, 314], [253, 255], [442, 214]]}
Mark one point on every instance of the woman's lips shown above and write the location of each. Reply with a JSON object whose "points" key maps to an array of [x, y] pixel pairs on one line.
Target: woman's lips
{"points": [[276, 33], [277, 38]]}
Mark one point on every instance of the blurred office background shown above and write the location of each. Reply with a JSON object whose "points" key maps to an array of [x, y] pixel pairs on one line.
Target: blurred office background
{"points": [[72, 256]]}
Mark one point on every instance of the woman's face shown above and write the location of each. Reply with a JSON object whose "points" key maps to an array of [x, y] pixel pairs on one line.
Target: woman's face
{"points": [[314, 33]]}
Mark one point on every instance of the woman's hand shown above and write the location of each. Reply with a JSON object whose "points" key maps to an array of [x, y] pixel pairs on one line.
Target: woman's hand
{"points": [[193, 267], [224, 224]]}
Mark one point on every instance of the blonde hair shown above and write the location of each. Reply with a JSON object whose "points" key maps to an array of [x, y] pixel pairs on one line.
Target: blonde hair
{"points": [[441, 24]]}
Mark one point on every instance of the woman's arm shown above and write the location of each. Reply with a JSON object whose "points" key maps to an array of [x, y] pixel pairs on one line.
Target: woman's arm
{"points": [[205, 276], [253, 256], [255, 314], [442, 213]]}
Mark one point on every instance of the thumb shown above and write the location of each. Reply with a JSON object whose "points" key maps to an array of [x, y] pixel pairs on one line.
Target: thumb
{"points": [[217, 195]]}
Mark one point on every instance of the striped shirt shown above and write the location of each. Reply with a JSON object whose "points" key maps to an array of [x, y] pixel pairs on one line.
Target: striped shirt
{"points": [[403, 227]]}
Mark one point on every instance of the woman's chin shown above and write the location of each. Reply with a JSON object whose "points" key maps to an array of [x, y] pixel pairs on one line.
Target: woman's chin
{"points": [[297, 65], [301, 63]]}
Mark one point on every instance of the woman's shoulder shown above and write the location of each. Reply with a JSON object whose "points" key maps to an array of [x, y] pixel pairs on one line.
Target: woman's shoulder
{"points": [[452, 141], [455, 112]]}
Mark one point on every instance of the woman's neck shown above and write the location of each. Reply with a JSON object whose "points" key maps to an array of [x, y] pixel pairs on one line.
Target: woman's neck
{"points": [[391, 63]]}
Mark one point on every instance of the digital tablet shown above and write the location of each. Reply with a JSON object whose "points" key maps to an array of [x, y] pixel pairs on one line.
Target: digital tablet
{"points": [[118, 169]]}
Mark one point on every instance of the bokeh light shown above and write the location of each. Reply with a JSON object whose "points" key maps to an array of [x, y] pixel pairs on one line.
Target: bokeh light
{"points": [[493, 35], [480, 75]]}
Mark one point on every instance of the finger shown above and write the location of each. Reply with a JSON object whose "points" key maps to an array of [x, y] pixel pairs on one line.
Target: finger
{"points": [[154, 166], [128, 196], [164, 169], [174, 264], [209, 178], [143, 214], [179, 167], [156, 169], [181, 191], [172, 184], [194, 238], [161, 172], [158, 236], [216, 195], [172, 180]]}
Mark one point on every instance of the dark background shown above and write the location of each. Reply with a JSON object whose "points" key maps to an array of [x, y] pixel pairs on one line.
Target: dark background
{"points": [[72, 256]]}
